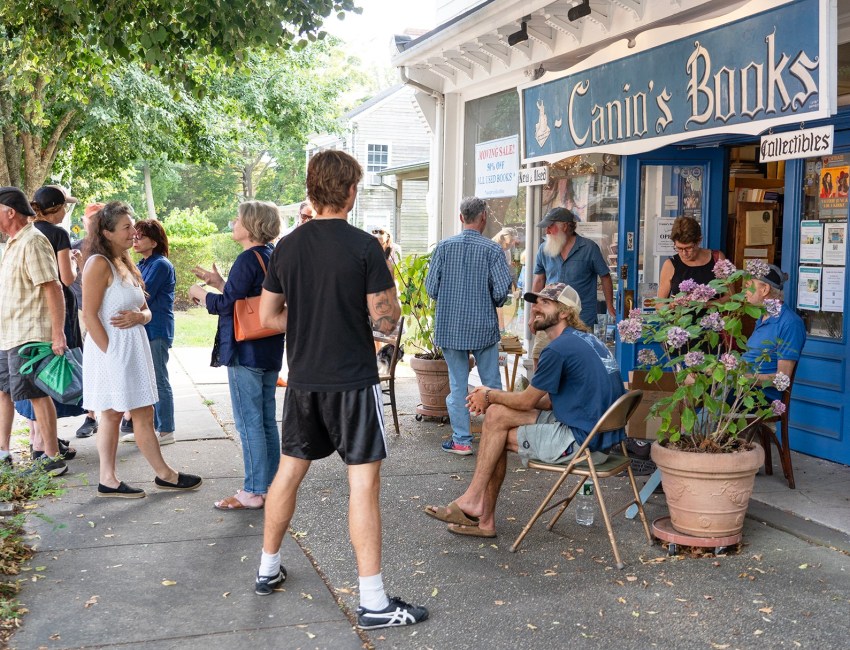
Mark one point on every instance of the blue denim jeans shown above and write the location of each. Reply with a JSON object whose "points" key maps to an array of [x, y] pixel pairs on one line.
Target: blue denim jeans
{"points": [[252, 397], [487, 361], [164, 409]]}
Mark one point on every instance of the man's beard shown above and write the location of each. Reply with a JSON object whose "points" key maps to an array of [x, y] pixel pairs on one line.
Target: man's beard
{"points": [[544, 322], [554, 243]]}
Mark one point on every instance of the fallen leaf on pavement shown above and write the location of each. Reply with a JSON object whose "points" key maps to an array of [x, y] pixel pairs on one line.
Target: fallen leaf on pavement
{"points": [[168, 583], [435, 592], [91, 601]]}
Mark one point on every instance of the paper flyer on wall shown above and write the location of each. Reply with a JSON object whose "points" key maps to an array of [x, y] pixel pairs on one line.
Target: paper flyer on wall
{"points": [[808, 288], [811, 242], [759, 227], [833, 289], [835, 244]]}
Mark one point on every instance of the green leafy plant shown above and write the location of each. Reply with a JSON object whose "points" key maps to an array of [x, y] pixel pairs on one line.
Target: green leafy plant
{"points": [[417, 307], [186, 253], [718, 392], [190, 222]]}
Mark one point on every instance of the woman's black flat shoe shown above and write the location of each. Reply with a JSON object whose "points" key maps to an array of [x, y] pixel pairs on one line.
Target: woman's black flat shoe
{"points": [[123, 491], [184, 482]]}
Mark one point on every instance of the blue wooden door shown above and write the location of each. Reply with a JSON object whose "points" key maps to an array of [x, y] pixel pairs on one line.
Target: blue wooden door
{"points": [[819, 422], [655, 188]]}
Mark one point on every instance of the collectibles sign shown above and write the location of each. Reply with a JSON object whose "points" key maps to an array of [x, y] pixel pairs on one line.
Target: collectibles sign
{"points": [[497, 168], [806, 143], [744, 73]]}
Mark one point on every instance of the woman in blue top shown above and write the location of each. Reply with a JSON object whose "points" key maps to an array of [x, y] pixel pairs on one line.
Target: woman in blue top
{"points": [[252, 366], [151, 242]]}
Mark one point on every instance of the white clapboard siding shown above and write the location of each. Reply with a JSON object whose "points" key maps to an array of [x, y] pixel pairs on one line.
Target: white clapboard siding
{"points": [[395, 119]]}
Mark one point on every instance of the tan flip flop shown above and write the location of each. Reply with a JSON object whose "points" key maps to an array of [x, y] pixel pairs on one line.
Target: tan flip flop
{"points": [[451, 514], [232, 503], [470, 531]]}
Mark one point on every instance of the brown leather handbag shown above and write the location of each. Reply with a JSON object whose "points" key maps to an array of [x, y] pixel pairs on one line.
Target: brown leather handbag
{"points": [[246, 316]]}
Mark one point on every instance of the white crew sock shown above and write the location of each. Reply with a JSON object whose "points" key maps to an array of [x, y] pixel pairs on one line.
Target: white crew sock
{"points": [[269, 564], [372, 594]]}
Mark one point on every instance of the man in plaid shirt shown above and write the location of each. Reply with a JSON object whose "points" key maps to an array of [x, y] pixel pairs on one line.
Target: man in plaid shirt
{"points": [[32, 309], [469, 278]]}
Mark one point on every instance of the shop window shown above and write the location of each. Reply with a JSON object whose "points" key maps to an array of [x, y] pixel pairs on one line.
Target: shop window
{"points": [[491, 118], [589, 186], [823, 245]]}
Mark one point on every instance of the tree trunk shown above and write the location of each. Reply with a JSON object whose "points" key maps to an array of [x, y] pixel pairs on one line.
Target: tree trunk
{"points": [[149, 192], [10, 160]]}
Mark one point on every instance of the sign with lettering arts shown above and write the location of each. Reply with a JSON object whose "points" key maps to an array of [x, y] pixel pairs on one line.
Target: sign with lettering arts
{"points": [[497, 168], [534, 176], [756, 68], [805, 143]]}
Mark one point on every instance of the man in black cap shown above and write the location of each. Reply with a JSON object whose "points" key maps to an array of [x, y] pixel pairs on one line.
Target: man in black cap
{"points": [[32, 309], [567, 257]]}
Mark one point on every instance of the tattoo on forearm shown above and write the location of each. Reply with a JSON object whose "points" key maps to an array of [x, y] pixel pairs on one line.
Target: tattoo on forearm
{"points": [[384, 310]]}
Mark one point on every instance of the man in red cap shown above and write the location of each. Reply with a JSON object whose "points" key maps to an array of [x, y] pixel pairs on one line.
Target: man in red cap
{"points": [[32, 309]]}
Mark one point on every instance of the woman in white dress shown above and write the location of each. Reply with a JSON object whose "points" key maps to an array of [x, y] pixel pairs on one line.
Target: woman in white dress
{"points": [[118, 373]]}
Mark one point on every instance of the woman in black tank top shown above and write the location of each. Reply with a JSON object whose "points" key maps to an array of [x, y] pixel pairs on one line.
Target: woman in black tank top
{"points": [[691, 261]]}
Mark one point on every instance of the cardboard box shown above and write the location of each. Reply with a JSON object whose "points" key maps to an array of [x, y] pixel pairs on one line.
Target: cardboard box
{"points": [[639, 426]]}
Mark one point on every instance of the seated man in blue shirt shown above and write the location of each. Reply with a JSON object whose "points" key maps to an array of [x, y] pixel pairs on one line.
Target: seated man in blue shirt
{"points": [[576, 381], [781, 332]]}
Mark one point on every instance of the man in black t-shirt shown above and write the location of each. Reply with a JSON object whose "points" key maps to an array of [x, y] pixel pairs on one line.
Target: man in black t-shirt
{"points": [[328, 287]]}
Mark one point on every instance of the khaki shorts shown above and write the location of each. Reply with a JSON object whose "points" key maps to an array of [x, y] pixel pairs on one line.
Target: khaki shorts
{"points": [[550, 441], [547, 440]]}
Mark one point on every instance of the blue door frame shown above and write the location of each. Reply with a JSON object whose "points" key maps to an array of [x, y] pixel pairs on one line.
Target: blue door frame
{"points": [[714, 205], [820, 404]]}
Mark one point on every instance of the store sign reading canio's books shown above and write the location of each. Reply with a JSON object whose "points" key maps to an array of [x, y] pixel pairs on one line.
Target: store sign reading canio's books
{"points": [[757, 68]]}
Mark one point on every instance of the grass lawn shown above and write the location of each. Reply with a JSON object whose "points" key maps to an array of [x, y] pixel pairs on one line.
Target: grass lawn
{"points": [[194, 328]]}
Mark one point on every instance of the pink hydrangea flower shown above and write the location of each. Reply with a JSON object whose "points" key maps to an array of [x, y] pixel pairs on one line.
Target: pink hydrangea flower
{"points": [[778, 407], [781, 381], [694, 359], [729, 361], [647, 357], [712, 322], [677, 337], [687, 285], [630, 330], [702, 293], [757, 268], [773, 306], [723, 269]]}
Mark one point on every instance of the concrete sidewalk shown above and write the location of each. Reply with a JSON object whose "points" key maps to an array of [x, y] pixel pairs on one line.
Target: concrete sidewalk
{"points": [[105, 567]]}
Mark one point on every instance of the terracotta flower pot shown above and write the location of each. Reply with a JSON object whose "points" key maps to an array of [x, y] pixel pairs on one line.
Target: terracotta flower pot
{"points": [[707, 494], [432, 375]]}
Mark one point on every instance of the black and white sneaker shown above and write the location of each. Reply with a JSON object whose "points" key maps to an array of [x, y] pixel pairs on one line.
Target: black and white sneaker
{"points": [[396, 614], [126, 426], [266, 585], [53, 466]]}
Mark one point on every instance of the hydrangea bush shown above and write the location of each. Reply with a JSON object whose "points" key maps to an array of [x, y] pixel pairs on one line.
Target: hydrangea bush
{"points": [[717, 391]]}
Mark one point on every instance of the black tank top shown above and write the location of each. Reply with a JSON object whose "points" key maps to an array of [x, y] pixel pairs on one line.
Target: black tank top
{"points": [[699, 274]]}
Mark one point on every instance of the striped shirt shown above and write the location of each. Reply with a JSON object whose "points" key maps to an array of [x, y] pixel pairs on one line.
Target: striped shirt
{"points": [[468, 277], [28, 263]]}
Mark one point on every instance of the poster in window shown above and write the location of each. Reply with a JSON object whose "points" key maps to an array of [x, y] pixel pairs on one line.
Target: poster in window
{"points": [[811, 242], [833, 191], [834, 244], [833, 289], [808, 288]]}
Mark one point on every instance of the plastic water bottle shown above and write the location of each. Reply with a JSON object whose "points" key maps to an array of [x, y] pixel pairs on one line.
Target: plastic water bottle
{"points": [[584, 505]]}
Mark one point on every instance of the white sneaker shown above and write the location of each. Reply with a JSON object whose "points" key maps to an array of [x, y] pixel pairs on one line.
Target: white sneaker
{"points": [[164, 438]]}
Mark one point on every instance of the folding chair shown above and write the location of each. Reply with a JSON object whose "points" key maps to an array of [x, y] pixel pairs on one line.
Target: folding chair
{"points": [[388, 377], [582, 465]]}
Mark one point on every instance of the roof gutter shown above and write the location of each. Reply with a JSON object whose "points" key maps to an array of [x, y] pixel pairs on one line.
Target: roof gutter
{"points": [[435, 223]]}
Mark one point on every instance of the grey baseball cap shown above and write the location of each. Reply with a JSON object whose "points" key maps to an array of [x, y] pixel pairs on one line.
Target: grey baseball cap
{"points": [[557, 214]]}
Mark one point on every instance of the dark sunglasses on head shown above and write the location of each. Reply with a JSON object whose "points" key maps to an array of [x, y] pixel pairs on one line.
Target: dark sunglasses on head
{"points": [[306, 215], [378, 231]]}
